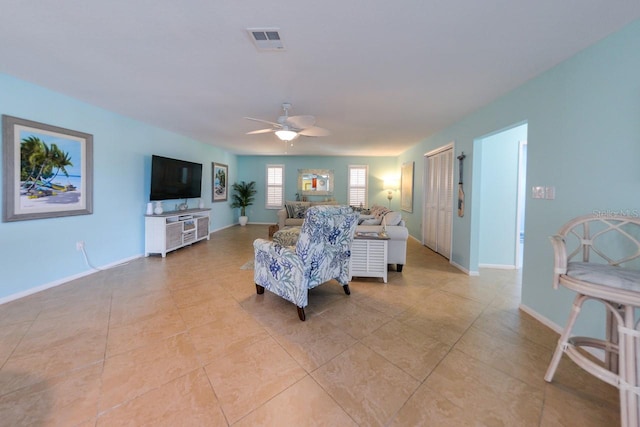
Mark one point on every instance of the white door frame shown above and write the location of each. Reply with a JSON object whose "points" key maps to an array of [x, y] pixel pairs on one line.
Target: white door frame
{"points": [[521, 197]]}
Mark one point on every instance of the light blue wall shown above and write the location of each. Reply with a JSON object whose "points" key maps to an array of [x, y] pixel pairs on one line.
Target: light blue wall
{"points": [[253, 168], [37, 253], [583, 138], [499, 197], [588, 148]]}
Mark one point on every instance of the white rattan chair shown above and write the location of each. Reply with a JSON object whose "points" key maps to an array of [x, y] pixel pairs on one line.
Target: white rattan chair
{"points": [[598, 257]]}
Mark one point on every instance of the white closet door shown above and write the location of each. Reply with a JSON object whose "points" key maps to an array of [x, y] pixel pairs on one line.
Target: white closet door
{"points": [[439, 202], [431, 204], [445, 203]]}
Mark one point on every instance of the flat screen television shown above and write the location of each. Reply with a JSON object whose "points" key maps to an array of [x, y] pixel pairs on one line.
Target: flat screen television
{"points": [[175, 179]]}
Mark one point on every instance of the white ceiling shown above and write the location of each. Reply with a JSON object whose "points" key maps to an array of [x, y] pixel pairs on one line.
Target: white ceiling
{"points": [[381, 75]]}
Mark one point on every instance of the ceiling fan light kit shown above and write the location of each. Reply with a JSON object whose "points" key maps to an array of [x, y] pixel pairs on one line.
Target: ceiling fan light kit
{"points": [[288, 127], [286, 135]]}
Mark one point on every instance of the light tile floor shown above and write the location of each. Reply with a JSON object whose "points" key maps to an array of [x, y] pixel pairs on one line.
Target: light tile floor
{"points": [[185, 340]]}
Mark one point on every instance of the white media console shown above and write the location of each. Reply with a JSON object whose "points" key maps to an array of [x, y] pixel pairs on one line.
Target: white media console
{"points": [[172, 230]]}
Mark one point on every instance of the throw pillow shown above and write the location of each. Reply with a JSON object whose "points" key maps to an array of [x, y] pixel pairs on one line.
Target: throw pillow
{"points": [[290, 209], [376, 209], [393, 218], [382, 212], [294, 207], [299, 211], [372, 221]]}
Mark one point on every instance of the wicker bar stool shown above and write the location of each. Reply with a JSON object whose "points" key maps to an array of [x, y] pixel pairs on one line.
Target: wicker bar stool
{"points": [[607, 253]]}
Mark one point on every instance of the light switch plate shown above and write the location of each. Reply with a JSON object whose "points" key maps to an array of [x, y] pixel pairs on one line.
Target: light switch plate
{"points": [[538, 192]]}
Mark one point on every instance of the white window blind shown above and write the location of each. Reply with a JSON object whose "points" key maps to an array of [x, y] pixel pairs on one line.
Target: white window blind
{"points": [[358, 180], [275, 187]]}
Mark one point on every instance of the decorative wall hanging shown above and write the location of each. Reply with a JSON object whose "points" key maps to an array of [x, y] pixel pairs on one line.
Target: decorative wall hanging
{"points": [[406, 186], [48, 171], [219, 176], [315, 182], [460, 189]]}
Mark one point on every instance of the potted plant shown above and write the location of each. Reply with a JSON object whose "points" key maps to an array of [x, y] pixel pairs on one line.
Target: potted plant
{"points": [[243, 197]]}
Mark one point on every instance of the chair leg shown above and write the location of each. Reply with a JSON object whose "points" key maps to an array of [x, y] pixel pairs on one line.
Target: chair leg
{"points": [[611, 357], [259, 289], [564, 338], [346, 289], [301, 314], [399, 268]]}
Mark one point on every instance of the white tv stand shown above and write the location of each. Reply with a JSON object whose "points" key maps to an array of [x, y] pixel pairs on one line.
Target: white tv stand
{"points": [[172, 230]]}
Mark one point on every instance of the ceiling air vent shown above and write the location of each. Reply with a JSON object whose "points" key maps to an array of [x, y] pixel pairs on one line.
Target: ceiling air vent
{"points": [[266, 38]]}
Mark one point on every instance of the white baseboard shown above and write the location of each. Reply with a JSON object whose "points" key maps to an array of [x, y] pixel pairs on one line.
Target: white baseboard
{"points": [[498, 266], [456, 265], [540, 318], [248, 223], [44, 287], [64, 280], [595, 352], [222, 228], [463, 269], [417, 240]]}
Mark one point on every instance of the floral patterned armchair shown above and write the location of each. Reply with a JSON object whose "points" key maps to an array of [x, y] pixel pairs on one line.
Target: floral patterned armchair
{"points": [[322, 253]]}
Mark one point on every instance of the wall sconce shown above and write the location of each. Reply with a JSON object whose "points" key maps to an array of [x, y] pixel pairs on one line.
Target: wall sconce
{"points": [[391, 185]]}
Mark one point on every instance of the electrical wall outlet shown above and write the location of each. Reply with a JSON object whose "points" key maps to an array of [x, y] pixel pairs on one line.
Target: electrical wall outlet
{"points": [[79, 245], [550, 193]]}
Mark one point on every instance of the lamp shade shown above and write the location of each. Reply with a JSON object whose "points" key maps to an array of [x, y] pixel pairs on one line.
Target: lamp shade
{"points": [[391, 184]]}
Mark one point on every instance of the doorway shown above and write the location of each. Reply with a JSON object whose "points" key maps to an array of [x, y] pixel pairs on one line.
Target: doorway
{"points": [[501, 204]]}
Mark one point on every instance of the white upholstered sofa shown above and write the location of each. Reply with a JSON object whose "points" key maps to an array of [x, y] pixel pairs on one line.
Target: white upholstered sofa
{"points": [[378, 218], [293, 213]]}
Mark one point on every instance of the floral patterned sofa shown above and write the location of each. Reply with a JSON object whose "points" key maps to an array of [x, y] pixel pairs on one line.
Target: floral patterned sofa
{"points": [[321, 253]]}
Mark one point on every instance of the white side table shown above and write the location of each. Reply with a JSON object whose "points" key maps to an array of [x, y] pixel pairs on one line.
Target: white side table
{"points": [[369, 256]]}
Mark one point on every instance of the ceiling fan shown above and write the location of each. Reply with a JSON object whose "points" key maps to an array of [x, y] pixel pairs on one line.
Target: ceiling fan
{"points": [[289, 127]]}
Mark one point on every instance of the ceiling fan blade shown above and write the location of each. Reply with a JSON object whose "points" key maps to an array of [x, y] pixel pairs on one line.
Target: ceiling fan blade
{"points": [[301, 122], [255, 132], [278, 125], [315, 131]]}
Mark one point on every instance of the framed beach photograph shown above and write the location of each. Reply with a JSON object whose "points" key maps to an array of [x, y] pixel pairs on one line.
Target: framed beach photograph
{"points": [[406, 187], [219, 186], [48, 171]]}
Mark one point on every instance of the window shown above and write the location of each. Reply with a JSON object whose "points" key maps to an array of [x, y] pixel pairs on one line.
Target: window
{"points": [[275, 187], [357, 191]]}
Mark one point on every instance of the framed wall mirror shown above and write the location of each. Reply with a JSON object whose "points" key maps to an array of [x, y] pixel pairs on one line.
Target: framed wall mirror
{"points": [[317, 182]]}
